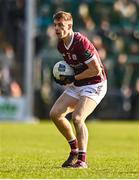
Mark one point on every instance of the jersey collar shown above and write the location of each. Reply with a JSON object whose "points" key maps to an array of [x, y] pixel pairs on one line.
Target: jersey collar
{"points": [[71, 41]]}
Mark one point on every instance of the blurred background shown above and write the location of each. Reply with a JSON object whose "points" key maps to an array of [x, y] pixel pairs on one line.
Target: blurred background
{"points": [[28, 53]]}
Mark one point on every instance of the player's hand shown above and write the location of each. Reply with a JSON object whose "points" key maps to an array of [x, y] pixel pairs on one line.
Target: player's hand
{"points": [[64, 80], [58, 81], [67, 79]]}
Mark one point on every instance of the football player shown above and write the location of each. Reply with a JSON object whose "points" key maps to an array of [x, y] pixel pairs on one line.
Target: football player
{"points": [[87, 89]]}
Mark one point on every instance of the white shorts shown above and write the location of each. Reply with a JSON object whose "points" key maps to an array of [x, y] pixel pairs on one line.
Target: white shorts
{"points": [[93, 91]]}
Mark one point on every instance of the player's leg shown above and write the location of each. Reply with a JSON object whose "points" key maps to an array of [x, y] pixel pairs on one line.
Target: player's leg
{"points": [[83, 109], [64, 105], [91, 96]]}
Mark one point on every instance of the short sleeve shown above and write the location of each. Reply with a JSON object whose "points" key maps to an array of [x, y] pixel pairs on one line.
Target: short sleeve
{"points": [[87, 50]]}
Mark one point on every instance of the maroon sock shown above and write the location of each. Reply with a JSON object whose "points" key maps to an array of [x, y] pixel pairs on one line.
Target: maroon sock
{"points": [[82, 156], [74, 146]]}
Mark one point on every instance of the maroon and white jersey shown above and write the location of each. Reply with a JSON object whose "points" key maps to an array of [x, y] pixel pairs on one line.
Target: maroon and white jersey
{"points": [[78, 54]]}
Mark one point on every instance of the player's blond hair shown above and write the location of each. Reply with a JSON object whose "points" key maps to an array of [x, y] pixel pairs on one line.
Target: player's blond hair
{"points": [[63, 15]]}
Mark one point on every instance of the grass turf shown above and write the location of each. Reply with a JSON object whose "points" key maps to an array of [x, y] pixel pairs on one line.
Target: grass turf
{"points": [[37, 151]]}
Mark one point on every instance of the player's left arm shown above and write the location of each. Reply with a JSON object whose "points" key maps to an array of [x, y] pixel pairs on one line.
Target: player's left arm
{"points": [[94, 69]]}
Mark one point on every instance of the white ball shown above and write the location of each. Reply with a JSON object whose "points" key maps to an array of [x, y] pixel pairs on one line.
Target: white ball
{"points": [[62, 68]]}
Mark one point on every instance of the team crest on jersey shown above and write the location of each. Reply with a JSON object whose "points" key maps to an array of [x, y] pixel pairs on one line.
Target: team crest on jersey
{"points": [[74, 57]]}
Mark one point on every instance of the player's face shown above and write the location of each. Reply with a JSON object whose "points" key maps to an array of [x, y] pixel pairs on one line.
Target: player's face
{"points": [[62, 28]]}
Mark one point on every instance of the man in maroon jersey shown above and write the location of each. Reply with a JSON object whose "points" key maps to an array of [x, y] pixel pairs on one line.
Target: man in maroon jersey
{"points": [[87, 88]]}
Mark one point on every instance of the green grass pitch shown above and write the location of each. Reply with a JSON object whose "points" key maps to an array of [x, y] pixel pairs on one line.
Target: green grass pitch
{"points": [[38, 150]]}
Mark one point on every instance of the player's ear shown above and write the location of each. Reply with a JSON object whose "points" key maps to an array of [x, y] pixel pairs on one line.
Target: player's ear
{"points": [[69, 26]]}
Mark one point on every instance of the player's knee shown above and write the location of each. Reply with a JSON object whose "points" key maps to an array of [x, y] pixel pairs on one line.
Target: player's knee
{"points": [[76, 119], [54, 114]]}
